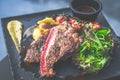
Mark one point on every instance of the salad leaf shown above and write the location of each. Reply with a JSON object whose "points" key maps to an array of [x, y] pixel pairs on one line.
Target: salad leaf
{"points": [[103, 32], [94, 51]]}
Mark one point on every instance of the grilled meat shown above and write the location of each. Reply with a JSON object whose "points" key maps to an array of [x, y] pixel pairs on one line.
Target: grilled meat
{"points": [[35, 49], [60, 42]]}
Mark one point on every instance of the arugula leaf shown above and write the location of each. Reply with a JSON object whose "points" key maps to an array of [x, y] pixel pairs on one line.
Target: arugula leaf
{"points": [[103, 32], [94, 50]]}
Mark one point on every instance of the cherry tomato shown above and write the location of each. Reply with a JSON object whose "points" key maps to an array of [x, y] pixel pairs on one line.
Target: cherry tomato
{"points": [[96, 26], [77, 27], [72, 21], [59, 19]]}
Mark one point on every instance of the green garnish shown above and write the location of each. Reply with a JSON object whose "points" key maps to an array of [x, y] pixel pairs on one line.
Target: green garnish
{"points": [[94, 51]]}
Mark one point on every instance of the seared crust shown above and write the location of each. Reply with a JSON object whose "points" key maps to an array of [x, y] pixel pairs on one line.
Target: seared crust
{"points": [[35, 49], [62, 43]]}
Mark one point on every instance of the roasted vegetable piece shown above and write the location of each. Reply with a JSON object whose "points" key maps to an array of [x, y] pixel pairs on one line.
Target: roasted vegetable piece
{"points": [[47, 20], [36, 33], [43, 27], [15, 30]]}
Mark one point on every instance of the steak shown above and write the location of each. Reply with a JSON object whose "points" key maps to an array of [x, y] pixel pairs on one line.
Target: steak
{"points": [[35, 49], [60, 42]]}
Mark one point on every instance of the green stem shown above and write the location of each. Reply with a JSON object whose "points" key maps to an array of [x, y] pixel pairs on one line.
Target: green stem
{"points": [[82, 51], [97, 41]]}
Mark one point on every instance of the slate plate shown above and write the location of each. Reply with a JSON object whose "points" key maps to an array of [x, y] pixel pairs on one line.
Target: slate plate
{"points": [[65, 70]]}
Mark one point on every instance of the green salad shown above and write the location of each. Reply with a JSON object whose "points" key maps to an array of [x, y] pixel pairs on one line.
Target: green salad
{"points": [[95, 50]]}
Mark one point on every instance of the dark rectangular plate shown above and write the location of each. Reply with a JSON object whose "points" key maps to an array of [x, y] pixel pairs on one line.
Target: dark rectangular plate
{"points": [[28, 20]]}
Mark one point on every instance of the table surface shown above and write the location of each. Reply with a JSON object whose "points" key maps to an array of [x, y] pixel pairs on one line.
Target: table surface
{"points": [[111, 11]]}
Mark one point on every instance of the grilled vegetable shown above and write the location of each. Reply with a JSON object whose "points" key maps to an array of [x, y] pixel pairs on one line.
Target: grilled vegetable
{"points": [[15, 30], [47, 20], [43, 28], [36, 33]]}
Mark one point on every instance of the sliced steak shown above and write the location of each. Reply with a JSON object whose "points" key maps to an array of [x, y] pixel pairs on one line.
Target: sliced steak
{"points": [[59, 43], [35, 49]]}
